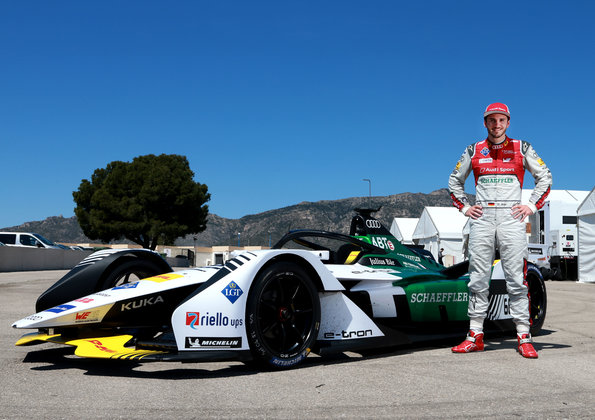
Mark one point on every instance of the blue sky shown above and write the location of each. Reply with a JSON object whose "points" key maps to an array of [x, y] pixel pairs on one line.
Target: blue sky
{"points": [[279, 102]]}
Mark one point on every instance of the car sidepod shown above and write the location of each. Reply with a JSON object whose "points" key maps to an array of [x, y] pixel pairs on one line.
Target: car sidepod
{"points": [[215, 317]]}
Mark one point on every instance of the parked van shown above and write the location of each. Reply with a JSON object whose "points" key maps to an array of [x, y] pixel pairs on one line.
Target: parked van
{"points": [[30, 240]]}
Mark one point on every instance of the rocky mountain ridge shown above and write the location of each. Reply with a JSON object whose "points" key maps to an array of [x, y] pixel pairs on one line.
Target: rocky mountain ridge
{"points": [[266, 228]]}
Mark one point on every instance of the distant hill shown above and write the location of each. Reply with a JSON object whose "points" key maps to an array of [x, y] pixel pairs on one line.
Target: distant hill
{"points": [[55, 228], [270, 226]]}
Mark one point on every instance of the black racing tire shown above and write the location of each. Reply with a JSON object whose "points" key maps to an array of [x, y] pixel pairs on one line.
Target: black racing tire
{"points": [[556, 274], [537, 298], [546, 273], [283, 316], [129, 270]]}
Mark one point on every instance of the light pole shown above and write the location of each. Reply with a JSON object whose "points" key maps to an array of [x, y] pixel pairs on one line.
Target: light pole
{"points": [[194, 262], [370, 191]]}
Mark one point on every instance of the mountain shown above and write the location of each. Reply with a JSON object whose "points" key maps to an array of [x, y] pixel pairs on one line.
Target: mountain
{"points": [[268, 227], [55, 228]]}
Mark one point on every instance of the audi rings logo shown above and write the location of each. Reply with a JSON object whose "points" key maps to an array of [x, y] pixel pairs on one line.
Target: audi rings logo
{"points": [[373, 224]]}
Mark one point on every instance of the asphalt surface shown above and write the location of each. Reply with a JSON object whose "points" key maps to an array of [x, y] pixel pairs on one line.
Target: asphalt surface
{"points": [[48, 381]]}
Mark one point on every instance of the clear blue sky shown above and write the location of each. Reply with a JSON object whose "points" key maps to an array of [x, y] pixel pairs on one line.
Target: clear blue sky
{"points": [[279, 102]]}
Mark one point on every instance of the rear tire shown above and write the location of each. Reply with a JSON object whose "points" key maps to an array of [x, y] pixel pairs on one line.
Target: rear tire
{"points": [[283, 315], [537, 298]]}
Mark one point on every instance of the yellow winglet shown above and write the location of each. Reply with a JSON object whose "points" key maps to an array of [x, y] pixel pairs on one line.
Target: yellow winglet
{"points": [[352, 256], [164, 277], [38, 338], [109, 348]]}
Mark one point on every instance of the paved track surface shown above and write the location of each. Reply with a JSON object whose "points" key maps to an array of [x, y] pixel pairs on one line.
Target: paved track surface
{"points": [[48, 381]]}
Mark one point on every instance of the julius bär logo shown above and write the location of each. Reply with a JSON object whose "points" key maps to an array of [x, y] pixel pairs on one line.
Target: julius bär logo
{"points": [[232, 292]]}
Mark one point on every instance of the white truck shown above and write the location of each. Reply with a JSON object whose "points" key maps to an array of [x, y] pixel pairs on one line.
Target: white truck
{"points": [[552, 234]]}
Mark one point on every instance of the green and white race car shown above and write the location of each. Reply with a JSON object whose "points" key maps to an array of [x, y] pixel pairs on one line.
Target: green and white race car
{"points": [[314, 291]]}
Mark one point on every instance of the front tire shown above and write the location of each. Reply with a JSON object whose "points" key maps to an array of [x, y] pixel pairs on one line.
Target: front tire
{"points": [[283, 315], [129, 270]]}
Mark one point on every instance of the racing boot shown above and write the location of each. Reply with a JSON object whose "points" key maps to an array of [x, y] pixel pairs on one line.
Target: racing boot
{"points": [[473, 342], [526, 346]]}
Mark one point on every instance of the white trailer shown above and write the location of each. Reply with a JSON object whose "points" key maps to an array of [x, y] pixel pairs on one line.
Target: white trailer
{"points": [[552, 234]]}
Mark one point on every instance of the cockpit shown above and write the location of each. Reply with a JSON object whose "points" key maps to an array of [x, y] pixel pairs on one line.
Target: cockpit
{"points": [[341, 249]]}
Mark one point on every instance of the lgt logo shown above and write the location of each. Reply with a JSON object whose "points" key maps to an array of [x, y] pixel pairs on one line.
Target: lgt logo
{"points": [[232, 292]]}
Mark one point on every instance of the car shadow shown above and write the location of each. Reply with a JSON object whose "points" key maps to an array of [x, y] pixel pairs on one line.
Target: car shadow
{"points": [[63, 358]]}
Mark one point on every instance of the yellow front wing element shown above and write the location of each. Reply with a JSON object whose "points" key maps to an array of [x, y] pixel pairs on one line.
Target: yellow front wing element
{"points": [[38, 338], [99, 348], [109, 348]]}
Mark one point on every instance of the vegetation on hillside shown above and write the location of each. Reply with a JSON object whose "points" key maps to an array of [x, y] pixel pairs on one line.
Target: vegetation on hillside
{"points": [[268, 227]]}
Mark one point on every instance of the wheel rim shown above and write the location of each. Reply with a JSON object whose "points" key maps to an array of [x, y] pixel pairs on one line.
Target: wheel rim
{"points": [[129, 273], [129, 277], [285, 314]]}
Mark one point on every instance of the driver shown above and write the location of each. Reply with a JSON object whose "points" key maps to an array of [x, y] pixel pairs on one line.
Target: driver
{"points": [[497, 220]]}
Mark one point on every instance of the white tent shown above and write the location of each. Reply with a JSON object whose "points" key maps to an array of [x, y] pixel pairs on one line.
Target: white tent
{"points": [[586, 239], [402, 228], [441, 227], [563, 196], [466, 230]]}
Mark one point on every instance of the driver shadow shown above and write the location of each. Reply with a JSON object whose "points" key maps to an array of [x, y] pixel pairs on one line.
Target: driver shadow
{"points": [[510, 342]]}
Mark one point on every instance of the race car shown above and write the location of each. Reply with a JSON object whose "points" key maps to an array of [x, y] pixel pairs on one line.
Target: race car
{"points": [[314, 291]]}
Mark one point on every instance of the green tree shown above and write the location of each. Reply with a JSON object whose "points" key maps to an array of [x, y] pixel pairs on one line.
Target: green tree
{"points": [[151, 200]]}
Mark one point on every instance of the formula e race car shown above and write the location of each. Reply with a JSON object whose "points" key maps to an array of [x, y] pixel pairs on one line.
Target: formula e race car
{"points": [[313, 291]]}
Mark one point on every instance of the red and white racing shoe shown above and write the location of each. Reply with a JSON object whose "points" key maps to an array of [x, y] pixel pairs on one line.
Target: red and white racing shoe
{"points": [[473, 342], [526, 346]]}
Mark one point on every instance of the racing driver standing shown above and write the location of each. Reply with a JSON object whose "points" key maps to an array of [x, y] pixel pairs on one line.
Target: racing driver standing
{"points": [[497, 221]]}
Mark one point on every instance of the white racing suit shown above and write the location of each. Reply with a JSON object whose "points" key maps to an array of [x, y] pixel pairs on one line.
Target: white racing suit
{"points": [[499, 170]]}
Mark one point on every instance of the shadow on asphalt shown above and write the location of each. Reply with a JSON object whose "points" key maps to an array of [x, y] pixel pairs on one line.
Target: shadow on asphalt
{"points": [[498, 343], [63, 358]]}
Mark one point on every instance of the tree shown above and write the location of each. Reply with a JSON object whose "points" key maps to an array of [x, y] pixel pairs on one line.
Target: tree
{"points": [[151, 200]]}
